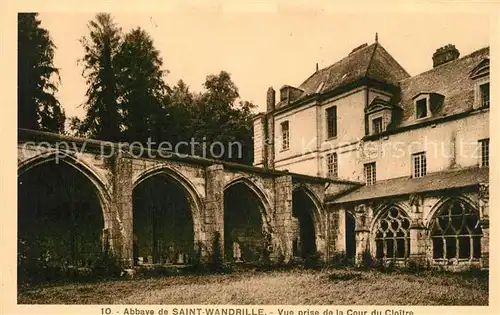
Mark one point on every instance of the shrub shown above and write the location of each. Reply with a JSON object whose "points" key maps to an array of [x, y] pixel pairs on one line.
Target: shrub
{"points": [[340, 260], [367, 261], [313, 261], [216, 257], [388, 266], [415, 265], [475, 272], [106, 266]]}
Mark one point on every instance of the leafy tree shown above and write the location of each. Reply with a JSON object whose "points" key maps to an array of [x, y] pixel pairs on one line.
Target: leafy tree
{"points": [[180, 106], [38, 108], [142, 89], [102, 120], [128, 98], [222, 117]]}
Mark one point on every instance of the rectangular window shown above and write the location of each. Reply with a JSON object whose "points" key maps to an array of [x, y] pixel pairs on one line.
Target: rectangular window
{"points": [[331, 121], [377, 125], [332, 165], [485, 95], [421, 108], [370, 173], [485, 152], [419, 164], [285, 135]]}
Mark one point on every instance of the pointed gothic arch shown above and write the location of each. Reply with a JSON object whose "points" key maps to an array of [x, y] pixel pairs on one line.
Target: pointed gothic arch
{"points": [[454, 230], [390, 233], [247, 221], [63, 210], [167, 217]]}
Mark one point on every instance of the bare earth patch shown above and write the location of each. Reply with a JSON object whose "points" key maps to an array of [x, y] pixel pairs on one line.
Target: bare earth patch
{"points": [[332, 287]]}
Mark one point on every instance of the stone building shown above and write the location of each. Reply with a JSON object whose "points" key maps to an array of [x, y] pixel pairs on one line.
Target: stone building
{"points": [[420, 145]]}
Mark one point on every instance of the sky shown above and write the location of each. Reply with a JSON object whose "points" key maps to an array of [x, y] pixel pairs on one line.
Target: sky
{"points": [[265, 49]]}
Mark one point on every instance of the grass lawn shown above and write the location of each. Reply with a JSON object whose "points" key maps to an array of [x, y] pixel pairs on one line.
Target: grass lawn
{"points": [[333, 287]]}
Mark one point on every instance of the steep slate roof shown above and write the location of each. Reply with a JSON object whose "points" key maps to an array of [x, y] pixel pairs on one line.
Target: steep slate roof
{"points": [[452, 80], [430, 182], [372, 62]]}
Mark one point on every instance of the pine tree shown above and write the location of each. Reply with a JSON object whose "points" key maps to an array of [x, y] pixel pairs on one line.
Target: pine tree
{"points": [[143, 90], [102, 120], [38, 108]]}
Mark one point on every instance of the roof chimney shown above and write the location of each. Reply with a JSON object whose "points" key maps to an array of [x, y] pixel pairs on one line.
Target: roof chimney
{"points": [[444, 55], [317, 67], [271, 99]]}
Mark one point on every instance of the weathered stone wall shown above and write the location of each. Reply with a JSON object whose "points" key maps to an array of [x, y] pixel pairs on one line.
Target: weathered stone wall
{"points": [[115, 176], [282, 243], [122, 233]]}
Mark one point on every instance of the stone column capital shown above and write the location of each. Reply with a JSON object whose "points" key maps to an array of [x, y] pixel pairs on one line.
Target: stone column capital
{"points": [[417, 224], [215, 167], [484, 192]]}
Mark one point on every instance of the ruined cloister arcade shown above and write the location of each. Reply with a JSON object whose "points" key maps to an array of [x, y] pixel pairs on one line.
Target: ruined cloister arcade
{"points": [[74, 205], [160, 211]]}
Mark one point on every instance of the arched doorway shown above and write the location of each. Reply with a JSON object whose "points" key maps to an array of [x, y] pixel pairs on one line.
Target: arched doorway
{"points": [[244, 238], [350, 235], [162, 222], [304, 241], [60, 217]]}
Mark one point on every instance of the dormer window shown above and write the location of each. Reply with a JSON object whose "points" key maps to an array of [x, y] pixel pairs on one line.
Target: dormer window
{"points": [[284, 94], [427, 104], [481, 77], [378, 116], [377, 125], [485, 94], [421, 108], [289, 93]]}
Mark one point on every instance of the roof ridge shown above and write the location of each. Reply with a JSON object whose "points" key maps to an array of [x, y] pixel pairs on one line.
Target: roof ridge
{"points": [[395, 60], [371, 59], [469, 55], [338, 61]]}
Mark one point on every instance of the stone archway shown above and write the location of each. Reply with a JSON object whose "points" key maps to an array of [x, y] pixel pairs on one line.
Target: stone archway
{"points": [[63, 208], [247, 234], [306, 214], [166, 219]]}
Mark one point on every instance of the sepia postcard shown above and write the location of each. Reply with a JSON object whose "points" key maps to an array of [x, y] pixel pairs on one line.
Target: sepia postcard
{"points": [[250, 158]]}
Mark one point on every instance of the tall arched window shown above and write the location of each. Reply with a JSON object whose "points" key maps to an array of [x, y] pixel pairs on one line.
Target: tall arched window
{"points": [[456, 232], [392, 234]]}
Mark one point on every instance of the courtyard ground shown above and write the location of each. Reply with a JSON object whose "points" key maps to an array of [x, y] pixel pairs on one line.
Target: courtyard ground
{"points": [[331, 287]]}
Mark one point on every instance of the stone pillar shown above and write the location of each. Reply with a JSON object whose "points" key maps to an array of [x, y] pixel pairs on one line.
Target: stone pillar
{"points": [[485, 243], [334, 232], [283, 241], [362, 231], [339, 227], [121, 234], [484, 221], [418, 240], [214, 208]]}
